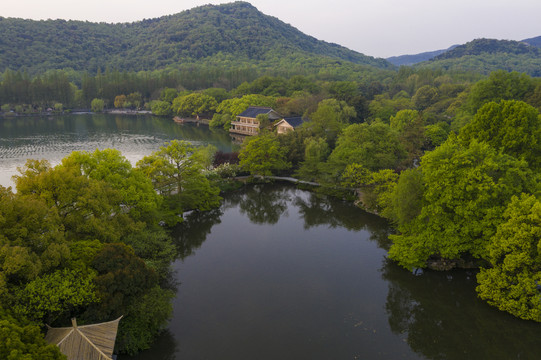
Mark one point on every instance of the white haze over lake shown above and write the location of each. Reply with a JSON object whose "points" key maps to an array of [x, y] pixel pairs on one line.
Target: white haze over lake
{"points": [[380, 28]]}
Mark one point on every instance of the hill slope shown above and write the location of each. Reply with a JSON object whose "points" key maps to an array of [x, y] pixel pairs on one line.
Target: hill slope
{"points": [[416, 58], [535, 41], [487, 55], [233, 33]]}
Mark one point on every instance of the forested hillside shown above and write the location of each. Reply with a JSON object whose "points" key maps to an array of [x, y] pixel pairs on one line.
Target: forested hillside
{"points": [[417, 58], [487, 55], [229, 35]]}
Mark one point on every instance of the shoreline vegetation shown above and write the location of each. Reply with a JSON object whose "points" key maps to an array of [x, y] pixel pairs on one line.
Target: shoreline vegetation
{"points": [[452, 164]]}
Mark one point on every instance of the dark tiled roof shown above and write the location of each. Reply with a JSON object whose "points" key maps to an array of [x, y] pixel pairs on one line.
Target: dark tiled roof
{"points": [[253, 111], [296, 121]]}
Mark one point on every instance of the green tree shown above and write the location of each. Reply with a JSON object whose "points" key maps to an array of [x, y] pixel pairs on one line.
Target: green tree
{"points": [[137, 195], [500, 85], [178, 170], [58, 295], [512, 284], [315, 153], [160, 108], [330, 118], [511, 126], [24, 341], [194, 105], [261, 155], [168, 95], [374, 146], [424, 97], [97, 105], [467, 188]]}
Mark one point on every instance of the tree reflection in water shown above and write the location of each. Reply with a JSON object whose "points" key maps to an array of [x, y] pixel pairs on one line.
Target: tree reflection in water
{"points": [[164, 348], [440, 316], [318, 210], [265, 204], [192, 232]]}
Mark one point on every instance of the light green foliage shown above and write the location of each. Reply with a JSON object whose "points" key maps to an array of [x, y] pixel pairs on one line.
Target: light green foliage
{"points": [[220, 121], [375, 188], [436, 134], [374, 146], [89, 208], [316, 152], [382, 107], [511, 126], [58, 107], [160, 108], [356, 176], [500, 85], [135, 100], [21, 340], [97, 105], [406, 198], [137, 195], [513, 283], [264, 122], [178, 169], [330, 118], [409, 126], [56, 295], [194, 105], [235, 106], [381, 188], [261, 155], [404, 119], [168, 95], [467, 188]]}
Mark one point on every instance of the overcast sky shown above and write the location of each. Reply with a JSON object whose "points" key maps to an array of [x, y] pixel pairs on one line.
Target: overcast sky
{"points": [[380, 28]]}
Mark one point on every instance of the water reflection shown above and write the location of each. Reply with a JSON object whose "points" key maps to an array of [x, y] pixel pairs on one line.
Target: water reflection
{"points": [[262, 206], [320, 210], [192, 232], [164, 348], [54, 137], [440, 317]]}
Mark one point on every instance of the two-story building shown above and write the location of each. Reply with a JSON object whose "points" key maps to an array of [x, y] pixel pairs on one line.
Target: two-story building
{"points": [[247, 123]]}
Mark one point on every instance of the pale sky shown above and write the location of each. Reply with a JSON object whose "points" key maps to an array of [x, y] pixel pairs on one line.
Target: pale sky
{"points": [[379, 28]]}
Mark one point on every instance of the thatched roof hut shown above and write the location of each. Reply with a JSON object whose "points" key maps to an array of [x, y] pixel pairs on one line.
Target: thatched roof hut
{"points": [[88, 342]]}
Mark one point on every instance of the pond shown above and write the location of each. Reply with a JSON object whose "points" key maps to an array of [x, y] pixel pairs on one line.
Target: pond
{"points": [[282, 273]]}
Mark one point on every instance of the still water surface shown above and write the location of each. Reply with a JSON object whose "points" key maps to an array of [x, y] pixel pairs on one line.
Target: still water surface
{"points": [[54, 137], [280, 273]]}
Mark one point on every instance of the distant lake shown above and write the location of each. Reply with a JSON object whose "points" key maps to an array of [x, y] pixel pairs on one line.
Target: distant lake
{"points": [[54, 137]]}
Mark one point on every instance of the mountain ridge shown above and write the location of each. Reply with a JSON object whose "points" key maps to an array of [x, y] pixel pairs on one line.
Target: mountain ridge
{"points": [[231, 31]]}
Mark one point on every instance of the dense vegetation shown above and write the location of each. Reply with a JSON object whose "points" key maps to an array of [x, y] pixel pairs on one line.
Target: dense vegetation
{"points": [[451, 157], [222, 36], [460, 198], [487, 55], [87, 239]]}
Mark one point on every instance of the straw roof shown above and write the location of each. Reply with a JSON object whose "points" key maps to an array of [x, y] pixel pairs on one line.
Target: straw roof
{"points": [[88, 342]]}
